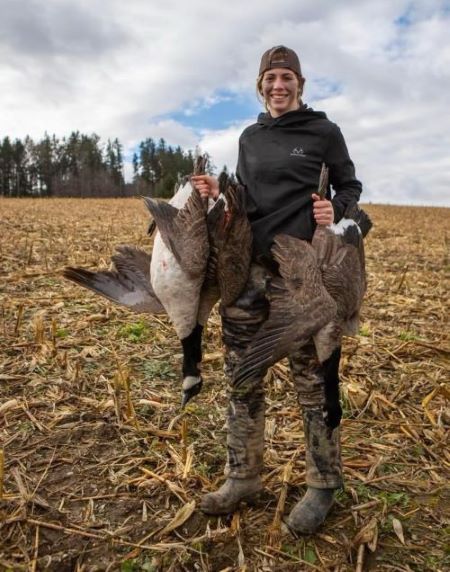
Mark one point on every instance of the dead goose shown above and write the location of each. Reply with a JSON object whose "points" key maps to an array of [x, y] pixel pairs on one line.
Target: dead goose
{"points": [[180, 276], [196, 260], [318, 296]]}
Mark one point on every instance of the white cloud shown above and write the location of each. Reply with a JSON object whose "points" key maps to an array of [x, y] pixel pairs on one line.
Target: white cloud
{"points": [[222, 145], [115, 68]]}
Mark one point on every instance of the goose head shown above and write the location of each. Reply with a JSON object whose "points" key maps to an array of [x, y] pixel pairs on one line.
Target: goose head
{"points": [[192, 385]]}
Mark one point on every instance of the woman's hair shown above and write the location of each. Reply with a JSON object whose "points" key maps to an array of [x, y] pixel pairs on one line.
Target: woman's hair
{"points": [[259, 95]]}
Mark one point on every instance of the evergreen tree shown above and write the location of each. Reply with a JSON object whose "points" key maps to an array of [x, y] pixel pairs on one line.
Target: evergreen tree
{"points": [[80, 165], [6, 167]]}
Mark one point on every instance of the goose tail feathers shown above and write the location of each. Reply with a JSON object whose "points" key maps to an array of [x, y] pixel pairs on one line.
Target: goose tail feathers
{"points": [[127, 284]]}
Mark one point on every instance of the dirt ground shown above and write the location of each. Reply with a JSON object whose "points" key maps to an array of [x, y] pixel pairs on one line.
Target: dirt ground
{"points": [[102, 471]]}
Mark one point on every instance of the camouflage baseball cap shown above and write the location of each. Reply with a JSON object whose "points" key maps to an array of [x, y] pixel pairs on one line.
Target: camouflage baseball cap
{"points": [[280, 57]]}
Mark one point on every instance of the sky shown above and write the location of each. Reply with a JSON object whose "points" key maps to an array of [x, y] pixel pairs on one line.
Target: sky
{"points": [[186, 71]]}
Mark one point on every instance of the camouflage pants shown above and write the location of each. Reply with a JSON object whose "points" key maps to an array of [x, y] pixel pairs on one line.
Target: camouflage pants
{"points": [[246, 410]]}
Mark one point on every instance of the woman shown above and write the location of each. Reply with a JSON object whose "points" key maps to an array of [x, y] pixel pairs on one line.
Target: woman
{"points": [[279, 163]]}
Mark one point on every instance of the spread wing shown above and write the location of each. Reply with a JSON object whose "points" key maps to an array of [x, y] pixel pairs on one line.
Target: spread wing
{"points": [[183, 232], [299, 307], [128, 284]]}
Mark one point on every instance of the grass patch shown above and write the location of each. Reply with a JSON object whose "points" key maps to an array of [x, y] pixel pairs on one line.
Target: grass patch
{"points": [[393, 499], [61, 333], [134, 333], [406, 336], [159, 369]]}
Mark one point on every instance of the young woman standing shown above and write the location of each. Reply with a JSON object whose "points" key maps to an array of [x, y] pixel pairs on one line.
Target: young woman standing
{"points": [[280, 159]]}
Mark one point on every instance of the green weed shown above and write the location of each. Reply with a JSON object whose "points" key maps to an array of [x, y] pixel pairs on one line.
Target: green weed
{"points": [[61, 333], [364, 331], [136, 332], [406, 336], [159, 369], [394, 499], [365, 493], [310, 554]]}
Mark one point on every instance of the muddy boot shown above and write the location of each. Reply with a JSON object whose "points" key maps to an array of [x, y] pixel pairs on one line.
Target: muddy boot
{"points": [[230, 495], [308, 514]]}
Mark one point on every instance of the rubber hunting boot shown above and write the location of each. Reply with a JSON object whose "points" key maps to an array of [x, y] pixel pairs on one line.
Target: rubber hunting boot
{"points": [[310, 513], [228, 498]]}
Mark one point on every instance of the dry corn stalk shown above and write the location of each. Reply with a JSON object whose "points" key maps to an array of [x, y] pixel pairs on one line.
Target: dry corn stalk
{"points": [[184, 440], [274, 533], [2, 467], [182, 515], [19, 319], [39, 328]]}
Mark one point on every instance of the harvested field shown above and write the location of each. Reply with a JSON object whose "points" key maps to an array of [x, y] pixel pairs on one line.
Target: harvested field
{"points": [[101, 470]]}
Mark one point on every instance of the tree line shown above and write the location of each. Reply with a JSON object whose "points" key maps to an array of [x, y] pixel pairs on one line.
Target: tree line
{"points": [[82, 166]]}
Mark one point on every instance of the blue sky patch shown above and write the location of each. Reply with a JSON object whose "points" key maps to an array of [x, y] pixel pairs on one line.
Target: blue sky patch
{"points": [[220, 112], [322, 88]]}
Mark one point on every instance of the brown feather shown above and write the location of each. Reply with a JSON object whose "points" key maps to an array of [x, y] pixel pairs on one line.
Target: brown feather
{"points": [[299, 307], [184, 232], [127, 284]]}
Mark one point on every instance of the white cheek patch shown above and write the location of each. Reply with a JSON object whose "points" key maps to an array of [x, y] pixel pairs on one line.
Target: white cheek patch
{"points": [[342, 225], [190, 381]]}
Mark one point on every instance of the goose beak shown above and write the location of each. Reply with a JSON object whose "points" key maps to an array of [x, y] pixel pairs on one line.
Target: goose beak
{"points": [[191, 392]]}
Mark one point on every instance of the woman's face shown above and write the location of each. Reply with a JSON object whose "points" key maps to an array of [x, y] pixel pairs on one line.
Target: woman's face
{"points": [[280, 88]]}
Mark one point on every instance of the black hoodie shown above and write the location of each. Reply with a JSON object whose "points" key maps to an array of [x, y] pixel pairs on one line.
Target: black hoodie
{"points": [[279, 162]]}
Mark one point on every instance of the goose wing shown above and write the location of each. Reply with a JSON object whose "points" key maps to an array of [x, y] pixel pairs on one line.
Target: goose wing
{"points": [[128, 284], [327, 246], [210, 293], [343, 272], [299, 307], [235, 253], [183, 232], [215, 221]]}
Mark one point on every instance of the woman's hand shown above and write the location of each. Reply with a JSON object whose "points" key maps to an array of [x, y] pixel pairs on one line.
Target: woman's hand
{"points": [[206, 185], [323, 211]]}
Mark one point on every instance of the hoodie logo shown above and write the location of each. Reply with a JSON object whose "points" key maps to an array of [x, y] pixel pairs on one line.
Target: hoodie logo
{"points": [[298, 152]]}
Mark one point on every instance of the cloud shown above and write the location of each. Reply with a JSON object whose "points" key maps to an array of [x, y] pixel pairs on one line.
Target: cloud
{"points": [[145, 69], [35, 30]]}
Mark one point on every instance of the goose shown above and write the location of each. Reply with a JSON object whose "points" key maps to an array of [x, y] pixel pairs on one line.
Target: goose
{"points": [[196, 261], [318, 295], [188, 271]]}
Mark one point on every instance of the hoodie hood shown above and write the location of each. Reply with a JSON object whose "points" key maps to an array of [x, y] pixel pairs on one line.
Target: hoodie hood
{"points": [[295, 117]]}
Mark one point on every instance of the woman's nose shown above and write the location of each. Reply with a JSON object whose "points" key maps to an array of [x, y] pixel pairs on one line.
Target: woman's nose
{"points": [[278, 83]]}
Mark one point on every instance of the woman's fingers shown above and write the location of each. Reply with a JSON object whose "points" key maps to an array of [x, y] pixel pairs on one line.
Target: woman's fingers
{"points": [[323, 210], [206, 185]]}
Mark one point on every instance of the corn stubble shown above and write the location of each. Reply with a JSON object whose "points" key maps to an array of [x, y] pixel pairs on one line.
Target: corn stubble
{"points": [[99, 465]]}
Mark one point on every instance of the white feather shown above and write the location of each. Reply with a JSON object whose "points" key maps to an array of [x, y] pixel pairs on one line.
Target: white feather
{"points": [[342, 225], [190, 381], [177, 292]]}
